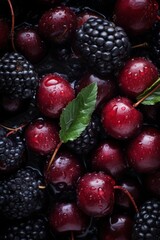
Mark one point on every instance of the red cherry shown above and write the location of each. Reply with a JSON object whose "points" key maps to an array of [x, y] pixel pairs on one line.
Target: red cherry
{"points": [[152, 183], [53, 94], [58, 24], [135, 16], [144, 151], [64, 170], [120, 119], [66, 217], [118, 227], [29, 43], [137, 75], [4, 33], [106, 87], [85, 15], [108, 157], [95, 194], [42, 137]]}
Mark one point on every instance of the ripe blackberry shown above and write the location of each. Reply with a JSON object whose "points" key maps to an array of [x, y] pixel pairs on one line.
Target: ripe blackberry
{"points": [[17, 76], [20, 195], [103, 45], [147, 221], [155, 44], [12, 151], [35, 228], [88, 139]]}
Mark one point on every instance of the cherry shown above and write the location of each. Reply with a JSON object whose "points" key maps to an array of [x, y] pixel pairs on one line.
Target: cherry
{"points": [[66, 217], [53, 94], [120, 119], [152, 183], [108, 157], [136, 76], [29, 43], [133, 187], [64, 171], [106, 87], [58, 24], [144, 151], [4, 33], [11, 105], [42, 136], [85, 15], [118, 227], [135, 16]]}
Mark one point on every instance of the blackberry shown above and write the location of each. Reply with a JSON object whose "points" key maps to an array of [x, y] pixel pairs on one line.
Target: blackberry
{"points": [[20, 195], [155, 44], [147, 221], [103, 45], [35, 228], [18, 78], [88, 138], [12, 151]]}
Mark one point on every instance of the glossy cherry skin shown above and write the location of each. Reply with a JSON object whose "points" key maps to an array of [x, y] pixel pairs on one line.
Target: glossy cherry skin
{"points": [[106, 87], [152, 183], [4, 33], [137, 75], [53, 94], [42, 136], [144, 151], [64, 171], [120, 119], [134, 188], [30, 44], [95, 194], [108, 157], [118, 227], [58, 24], [66, 217], [135, 16]]}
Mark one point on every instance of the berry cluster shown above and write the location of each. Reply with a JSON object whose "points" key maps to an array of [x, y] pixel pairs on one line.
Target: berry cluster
{"points": [[79, 120]]}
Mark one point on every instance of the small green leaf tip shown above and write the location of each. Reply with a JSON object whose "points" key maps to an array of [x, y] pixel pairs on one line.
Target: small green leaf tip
{"points": [[77, 114]]}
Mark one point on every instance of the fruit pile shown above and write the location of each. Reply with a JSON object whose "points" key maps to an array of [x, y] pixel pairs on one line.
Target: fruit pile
{"points": [[79, 120]]}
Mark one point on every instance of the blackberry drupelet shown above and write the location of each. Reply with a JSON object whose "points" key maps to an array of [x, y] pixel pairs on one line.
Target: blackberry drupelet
{"points": [[12, 151], [20, 195], [35, 228], [147, 222], [155, 44], [88, 139], [18, 78], [103, 45]]}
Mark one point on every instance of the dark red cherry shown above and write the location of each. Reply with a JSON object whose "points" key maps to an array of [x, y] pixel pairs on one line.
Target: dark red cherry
{"points": [[42, 136], [85, 15], [58, 24], [152, 183], [11, 105], [95, 194], [118, 227], [30, 44], [108, 157], [136, 16], [120, 119], [65, 170], [133, 187], [66, 217], [106, 87], [53, 94], [144, 151], [137, 75], [4, 33]]}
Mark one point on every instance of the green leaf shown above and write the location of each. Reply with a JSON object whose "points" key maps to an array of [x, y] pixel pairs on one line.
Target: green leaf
{"points": [[148, 90], [77, 114], [153, 98]]}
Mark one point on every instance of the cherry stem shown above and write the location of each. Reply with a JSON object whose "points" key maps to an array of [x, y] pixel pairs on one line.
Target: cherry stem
{"points": [[12, 130], [145, 44], [129, 196], [42, 187], [13, 25], [72, 235], [54, 154], [147, 95]]}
